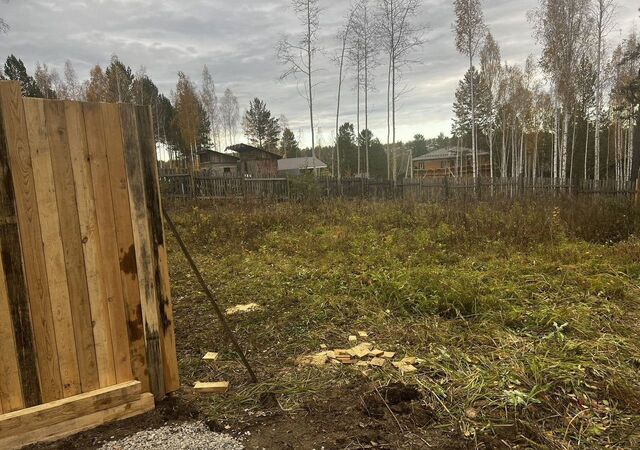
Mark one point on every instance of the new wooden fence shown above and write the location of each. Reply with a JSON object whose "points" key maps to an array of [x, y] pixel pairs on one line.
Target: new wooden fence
{"points": [[86, 325], [424, 190]]}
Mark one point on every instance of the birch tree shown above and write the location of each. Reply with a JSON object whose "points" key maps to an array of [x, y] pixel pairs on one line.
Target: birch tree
{"points": [[562, 27], [210, 102], [364, 31], [470, 32], [230, 116], [399, 37], [602, 11], [298, 55], [491, 70], [343, 36]]}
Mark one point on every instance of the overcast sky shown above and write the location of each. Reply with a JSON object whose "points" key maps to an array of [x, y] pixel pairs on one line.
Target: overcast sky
{"points": [[236, 39]]}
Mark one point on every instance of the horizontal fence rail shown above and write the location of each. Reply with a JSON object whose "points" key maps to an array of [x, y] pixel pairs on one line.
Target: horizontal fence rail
{"points": [[431, 189]]}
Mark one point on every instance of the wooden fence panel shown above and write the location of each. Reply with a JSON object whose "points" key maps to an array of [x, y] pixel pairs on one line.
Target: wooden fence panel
{"points": [[15, 127], [81, 168], [126, 247], [85, 300], [72, 242], [101, 179], [53, 251]]}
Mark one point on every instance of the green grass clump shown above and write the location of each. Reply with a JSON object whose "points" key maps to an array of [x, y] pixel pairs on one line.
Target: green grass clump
{"points": [[528, 313]]}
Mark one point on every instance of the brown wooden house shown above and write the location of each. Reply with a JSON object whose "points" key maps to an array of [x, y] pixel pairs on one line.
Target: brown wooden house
{"points": [[255, 162], [218, 164], [450, 162]]}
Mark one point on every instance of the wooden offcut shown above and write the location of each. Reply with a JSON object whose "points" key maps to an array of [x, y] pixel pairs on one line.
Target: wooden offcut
{"points": [[217, 387]]}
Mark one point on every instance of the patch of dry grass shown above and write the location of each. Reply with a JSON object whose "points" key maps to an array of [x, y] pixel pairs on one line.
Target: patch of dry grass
{"points": [[527, 315]]}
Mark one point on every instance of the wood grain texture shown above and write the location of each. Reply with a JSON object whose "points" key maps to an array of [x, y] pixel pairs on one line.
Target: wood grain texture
{"points": [[11, 255], [108, 244], [80, 413], [160, 260], [144, 250], [90, 242], [126, 246], [10, 386], [72, 244], [59, 411], [15, 127], [52, 246]]}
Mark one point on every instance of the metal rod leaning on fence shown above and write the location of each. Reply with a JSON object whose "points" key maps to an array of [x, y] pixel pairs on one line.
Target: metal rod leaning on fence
{"points": [[207, 291]]}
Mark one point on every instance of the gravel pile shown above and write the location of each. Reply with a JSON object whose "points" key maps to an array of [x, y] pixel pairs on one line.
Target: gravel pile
{"points": [[186, 436]]}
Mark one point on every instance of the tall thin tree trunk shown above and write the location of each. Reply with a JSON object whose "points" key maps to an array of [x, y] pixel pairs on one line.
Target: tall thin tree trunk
{"points": [[586, 151], [313, 136]]}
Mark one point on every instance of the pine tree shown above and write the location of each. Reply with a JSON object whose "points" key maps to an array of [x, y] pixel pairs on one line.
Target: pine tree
{"points": [[14, 69], [119, 81], [260, 127], [289, 147]]}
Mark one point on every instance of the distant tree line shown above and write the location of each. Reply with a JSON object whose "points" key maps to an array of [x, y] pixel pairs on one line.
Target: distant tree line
{"points": [[573, 113]]}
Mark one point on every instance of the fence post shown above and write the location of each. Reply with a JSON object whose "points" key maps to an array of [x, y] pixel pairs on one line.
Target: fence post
{"points": [[446, 188]]}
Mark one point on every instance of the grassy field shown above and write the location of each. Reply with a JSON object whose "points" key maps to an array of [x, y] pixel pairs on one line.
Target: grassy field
{"points": [[527, 317]]}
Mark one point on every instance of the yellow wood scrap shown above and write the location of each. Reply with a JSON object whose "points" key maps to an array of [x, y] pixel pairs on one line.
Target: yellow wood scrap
{"points": [[378, 362], [210, 356], [250, 307], [218, 387]]}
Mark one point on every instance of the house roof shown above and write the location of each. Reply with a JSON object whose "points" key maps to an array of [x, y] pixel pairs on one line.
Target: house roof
{"points": [[306, 162], [446, 153], [241, 148], [226, 155]]}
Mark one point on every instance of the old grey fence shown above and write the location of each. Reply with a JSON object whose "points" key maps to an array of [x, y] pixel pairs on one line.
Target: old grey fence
{"points": [[433, 189]]}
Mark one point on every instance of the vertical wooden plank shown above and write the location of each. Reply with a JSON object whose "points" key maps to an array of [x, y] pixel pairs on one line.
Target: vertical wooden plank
{"points": [[12, 258], [108, 244], [143, 245], [160, 262], [90, 242], [52, 245], [15, 125], [72, 244], [126, 247], [10, 386]]}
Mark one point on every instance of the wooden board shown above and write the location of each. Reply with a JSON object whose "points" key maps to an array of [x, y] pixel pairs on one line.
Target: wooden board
{"points": [[143, 246], [160, 259], [60, 419], [126, 247], [14, 122], [90, 242], [217, 387], [10, 388], [17, 295], [53, 250], [108, 243], [72, 244]]}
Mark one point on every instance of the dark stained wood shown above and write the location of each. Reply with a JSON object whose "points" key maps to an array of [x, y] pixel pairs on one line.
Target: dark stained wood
{"points": [[143, 247], [160, 263], [72, 243], [126, 246], [101, 180], [15, 128], [13, 273]]}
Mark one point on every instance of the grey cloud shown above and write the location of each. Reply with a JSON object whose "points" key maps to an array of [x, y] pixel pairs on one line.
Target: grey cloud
{"points": [[236, 39]]}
